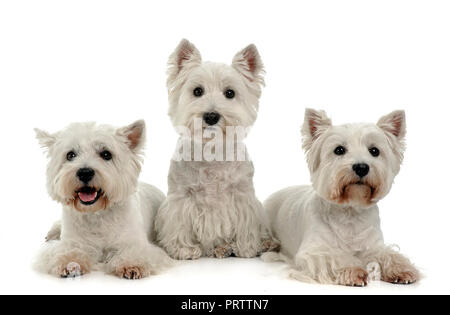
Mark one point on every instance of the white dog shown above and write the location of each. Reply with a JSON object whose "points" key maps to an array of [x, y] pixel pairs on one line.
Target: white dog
{"points": [[330, 232], [211, 209], [108, 216]]}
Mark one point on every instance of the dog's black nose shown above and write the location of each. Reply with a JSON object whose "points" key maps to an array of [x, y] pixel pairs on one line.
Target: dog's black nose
{"points": [[211, 118], [361, 169], [85, 174]]}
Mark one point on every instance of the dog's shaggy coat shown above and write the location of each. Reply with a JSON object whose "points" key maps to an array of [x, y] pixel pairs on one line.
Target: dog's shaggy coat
{"points": [[330, 231], [115, 232], [211, 208]]}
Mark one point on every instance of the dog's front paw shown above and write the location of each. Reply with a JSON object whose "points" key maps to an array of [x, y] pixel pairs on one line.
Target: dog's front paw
{"points": [[71, 270], [131, 272], [223, 251], [353, 276], [270, 245], [401, 277], [187, 253]]}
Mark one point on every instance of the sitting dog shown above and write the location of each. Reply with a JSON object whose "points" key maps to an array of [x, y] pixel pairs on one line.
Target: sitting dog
{"points": [[211, 208], [330, 231], [108, 216]]}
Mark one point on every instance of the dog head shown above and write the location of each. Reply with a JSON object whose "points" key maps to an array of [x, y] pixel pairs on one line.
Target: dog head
{"points": [[215, 94], [93, 166], [353, 164]]}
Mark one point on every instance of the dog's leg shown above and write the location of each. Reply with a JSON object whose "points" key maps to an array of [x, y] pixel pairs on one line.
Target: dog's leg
{"points": [[269, 242], [252, 238], [181, 249], [248, 240], [174, 229], [55, 232], [395, 268], [329, 266], [137, 260], [64, 259], [248, 243]]}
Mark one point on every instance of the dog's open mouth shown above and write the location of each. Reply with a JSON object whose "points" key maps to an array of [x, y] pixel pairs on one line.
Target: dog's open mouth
{"points": [[89, 195]]}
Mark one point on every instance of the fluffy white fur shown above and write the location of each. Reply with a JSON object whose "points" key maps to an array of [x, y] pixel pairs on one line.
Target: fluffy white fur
{"points": [[211, 208], [330, 231], [115, 232]]}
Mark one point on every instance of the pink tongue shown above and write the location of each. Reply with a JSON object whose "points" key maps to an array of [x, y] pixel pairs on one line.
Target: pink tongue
{"points": [[87, 197]]}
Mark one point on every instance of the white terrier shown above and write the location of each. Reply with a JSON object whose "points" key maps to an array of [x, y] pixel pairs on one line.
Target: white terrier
{"points": [[330, 232], [108, 216], [211, 209]]}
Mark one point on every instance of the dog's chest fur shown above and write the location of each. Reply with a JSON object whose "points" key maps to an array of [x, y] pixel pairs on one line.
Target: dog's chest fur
{"points": [[219, 199], [350, 231], [100, 229], [211, 179]]}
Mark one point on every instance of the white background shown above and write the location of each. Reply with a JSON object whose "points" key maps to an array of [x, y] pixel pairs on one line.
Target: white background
{"points": [[105, 61]]}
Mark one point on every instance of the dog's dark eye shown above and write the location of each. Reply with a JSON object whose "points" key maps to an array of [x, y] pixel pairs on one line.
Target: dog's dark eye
{"points": [[340, 150], [198, 92], [374, 151], [106, 155], [71, 155], [229, 94]]}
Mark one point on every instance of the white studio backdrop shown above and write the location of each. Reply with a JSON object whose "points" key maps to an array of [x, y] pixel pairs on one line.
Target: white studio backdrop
{"points": [[105, 61]]}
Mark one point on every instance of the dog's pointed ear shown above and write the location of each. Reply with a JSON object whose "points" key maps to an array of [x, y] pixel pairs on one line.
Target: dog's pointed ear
{"points": [[394, 124], [46, 140], [185, 55], [134, 135], [248, 62], [316, 123]]}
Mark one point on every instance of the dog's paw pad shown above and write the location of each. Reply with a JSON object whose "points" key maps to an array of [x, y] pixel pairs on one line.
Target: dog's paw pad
{"points": [[401, 278], [131, 272], [354, 277], [72, 270]]}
